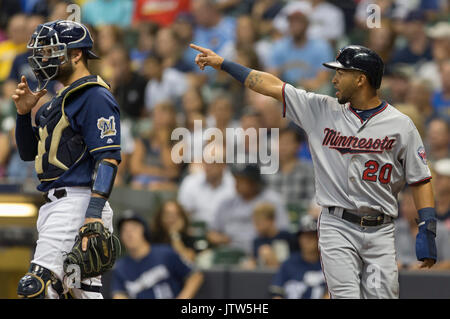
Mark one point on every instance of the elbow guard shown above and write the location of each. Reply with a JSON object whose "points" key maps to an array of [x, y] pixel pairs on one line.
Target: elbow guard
{"points": [[103, 178]]}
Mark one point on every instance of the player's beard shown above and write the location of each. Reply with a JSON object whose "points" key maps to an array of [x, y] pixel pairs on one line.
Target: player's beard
{"points": [[345, 96], [65, 71]]}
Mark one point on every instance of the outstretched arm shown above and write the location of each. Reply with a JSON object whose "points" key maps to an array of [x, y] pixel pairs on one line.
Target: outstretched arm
{"points": [[261, 82]]}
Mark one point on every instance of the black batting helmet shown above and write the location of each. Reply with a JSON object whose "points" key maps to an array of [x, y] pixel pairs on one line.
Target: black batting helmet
{"points": [[357, 57]]}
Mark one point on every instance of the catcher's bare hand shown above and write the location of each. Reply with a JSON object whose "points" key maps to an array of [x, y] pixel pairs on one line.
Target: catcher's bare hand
{"points": [[24, 98], [84, 241], [207, 57]]}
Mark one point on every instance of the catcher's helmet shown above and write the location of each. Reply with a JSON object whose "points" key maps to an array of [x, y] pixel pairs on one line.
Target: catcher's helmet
{"points": [[356, 57], [50, 42]]}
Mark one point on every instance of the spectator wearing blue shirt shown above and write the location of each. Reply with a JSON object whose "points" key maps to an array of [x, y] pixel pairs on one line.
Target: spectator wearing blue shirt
{"points": [[418, 48], [101, 12], [212, 30], [298, 59], [150, 271], [301, 277], [441, 99], [271, 246]]}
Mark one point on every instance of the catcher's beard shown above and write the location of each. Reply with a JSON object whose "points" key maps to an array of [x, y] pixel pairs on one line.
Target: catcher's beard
{"points": [[65, 71]]}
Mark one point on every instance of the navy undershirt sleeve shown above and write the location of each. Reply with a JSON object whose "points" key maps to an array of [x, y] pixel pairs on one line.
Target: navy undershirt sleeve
{"points": [[25, 138]]}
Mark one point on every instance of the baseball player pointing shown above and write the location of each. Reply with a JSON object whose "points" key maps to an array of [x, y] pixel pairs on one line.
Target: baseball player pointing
{"points": [[363, 151], [75, 144]]}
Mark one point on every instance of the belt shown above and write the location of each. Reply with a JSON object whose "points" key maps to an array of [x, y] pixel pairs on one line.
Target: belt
{"points": [[363, 221], [58, 193]]}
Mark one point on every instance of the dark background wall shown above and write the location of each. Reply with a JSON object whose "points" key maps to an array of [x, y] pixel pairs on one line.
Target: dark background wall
{"points": [[223, 283]]}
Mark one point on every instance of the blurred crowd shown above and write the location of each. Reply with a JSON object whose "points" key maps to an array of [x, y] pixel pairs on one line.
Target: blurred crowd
{"points": [[250, 219]]}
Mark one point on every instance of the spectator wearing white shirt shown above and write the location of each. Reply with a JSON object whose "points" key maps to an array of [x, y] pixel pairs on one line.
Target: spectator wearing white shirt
{"points": [[440, 50], [165, 84], [326, 20], [201, 192], [233, 225]]}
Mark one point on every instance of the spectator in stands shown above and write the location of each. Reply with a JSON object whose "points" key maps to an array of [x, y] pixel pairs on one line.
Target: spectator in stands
{"points": [[441, 99], [101, 12], [395, 85], [52, 9], [128, 86], [263, 14], [294, 179], [301, 277], [419, 96], [406, 230], [232, 224], [145, 44], [212, 29], [151, 164], [193, 101], [271, 246], [4, 153], [246, 146], [438, 139], [418, 47], [16, 170], [171, 226], [8, 8], [442, 190], [127, 147], [271, 112], [440, 49], [221, 113], [169, 48], [108, 36], [16, 44], [201, 192], [150, 271], [164, 84], [326, 20], [21, 67], [297, 58], [362, 14], [161, 12], [382, 39], [183, 26]]}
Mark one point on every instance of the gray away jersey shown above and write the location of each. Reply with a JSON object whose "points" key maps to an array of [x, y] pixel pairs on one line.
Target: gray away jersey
{"points": [[358, 165]]}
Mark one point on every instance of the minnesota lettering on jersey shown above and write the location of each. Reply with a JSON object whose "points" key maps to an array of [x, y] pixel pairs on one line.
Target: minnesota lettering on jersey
{"points": [[353, 145]]}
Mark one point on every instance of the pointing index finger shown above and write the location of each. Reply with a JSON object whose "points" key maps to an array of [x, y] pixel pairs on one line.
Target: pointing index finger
{"points": [[198, 48]]}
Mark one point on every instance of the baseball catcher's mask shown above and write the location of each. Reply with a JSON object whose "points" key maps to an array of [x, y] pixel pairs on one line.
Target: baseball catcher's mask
{"points": [[49, 44]]}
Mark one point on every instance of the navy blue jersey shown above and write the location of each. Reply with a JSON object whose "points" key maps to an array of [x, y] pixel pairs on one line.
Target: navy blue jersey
{"points": [[282, 235], [83, 122], [159, 275], [298, 279]]}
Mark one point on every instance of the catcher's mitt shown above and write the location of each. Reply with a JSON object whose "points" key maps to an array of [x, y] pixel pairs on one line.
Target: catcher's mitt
{"points": [[100, 255]]}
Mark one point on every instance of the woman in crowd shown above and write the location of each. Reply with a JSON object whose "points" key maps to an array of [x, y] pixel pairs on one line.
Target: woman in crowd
{"points": [[151, 164], [170, 226]]}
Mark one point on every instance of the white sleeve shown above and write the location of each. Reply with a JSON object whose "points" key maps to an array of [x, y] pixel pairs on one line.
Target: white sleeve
{"points": [[415, 166], [185, 195], [304, 108]]}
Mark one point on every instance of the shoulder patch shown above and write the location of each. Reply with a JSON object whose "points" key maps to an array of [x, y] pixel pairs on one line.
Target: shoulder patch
{"points": [[422, 154], [107, 127]]}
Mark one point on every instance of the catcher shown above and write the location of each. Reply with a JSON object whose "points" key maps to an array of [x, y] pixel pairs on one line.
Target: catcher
{"points": [[74, 140]]}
